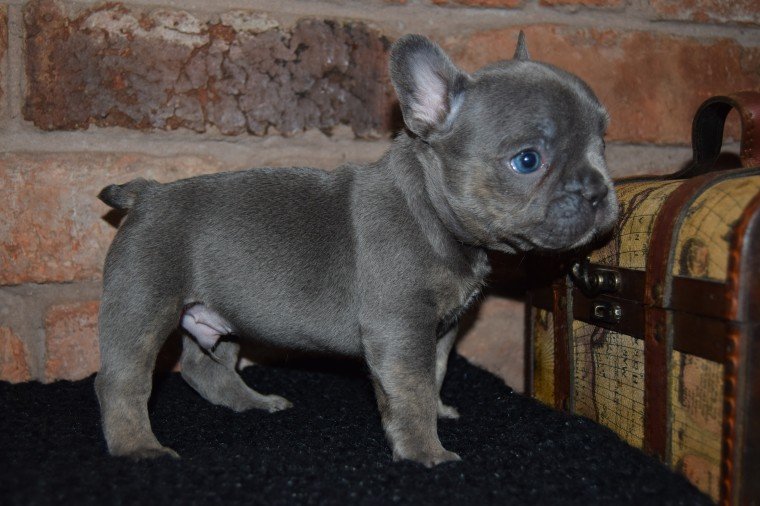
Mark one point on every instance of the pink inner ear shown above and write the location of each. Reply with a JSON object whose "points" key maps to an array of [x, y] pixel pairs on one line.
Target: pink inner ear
{"points": [[430, 98], [205, 325]]}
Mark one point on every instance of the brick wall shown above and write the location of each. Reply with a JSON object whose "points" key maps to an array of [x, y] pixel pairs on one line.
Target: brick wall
{"points": [[93, 93]]}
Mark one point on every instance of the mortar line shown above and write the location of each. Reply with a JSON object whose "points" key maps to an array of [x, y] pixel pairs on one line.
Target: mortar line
{"points": [[20, 288], [102, 140]]}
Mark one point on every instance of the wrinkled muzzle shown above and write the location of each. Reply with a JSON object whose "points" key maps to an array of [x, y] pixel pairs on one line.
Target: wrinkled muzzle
{"points": [[584, 208]]}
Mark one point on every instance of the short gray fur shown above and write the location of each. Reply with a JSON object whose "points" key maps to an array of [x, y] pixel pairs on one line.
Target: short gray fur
{"points": [[377, 261]]}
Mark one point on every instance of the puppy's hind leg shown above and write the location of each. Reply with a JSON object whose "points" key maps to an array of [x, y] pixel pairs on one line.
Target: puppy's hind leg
{"points": [[132, 332], [216, 379]]}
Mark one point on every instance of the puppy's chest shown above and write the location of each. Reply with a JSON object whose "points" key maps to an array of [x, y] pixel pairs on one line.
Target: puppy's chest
{"points": [[457, 286]]}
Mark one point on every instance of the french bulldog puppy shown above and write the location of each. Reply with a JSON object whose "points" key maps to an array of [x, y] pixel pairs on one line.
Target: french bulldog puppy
{"points": [[377, 261]]}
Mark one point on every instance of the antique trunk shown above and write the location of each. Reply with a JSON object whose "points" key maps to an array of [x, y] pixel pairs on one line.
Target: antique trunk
{"points": [[657, 333]]}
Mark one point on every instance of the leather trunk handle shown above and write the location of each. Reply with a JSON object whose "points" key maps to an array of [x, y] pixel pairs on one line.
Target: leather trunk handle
{"points": [[707, 132]]}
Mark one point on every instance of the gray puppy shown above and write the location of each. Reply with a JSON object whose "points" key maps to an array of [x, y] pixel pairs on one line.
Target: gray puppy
{"points": [[377, 261]]}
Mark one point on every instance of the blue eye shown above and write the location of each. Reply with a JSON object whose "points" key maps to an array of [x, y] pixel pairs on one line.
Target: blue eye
{"points": [[526, 162]]}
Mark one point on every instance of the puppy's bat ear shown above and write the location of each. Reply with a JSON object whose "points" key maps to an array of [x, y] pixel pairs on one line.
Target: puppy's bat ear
{"points": [[521, 53], [430, 88]]}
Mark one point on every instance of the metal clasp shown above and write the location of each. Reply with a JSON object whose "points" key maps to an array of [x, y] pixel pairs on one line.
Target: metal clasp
{"points": [[605, 311], [593, 282]]}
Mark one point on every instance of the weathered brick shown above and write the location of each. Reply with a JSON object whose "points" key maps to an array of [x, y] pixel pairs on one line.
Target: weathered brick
{"points": [[71, 341], [53, 227], [481, 3], [721, 11], [14, 366], [583, 3], [113, 65], [496, 340], [3, 48], [650, 82]]}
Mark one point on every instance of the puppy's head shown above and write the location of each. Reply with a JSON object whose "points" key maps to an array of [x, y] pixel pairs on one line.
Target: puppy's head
{"points": [[513, 154]]}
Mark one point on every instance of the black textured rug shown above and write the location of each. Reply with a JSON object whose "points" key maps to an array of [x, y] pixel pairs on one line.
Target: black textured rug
{"points": [[328, 449]]}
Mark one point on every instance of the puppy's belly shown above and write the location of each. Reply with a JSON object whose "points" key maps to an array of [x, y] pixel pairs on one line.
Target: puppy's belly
{"points": [[207, 327]]}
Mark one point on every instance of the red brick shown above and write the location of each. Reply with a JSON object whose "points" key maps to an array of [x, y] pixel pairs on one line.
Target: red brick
{"points": [[583, 3], [53, 227], [71, 341], [496, 340], [709, 11], [14, 366], [651, 83], [481, 3], [3, 47], [113, 65]]}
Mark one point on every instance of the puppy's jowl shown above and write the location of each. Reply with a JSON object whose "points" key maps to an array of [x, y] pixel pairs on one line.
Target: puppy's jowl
{"points": [[377, 260]]}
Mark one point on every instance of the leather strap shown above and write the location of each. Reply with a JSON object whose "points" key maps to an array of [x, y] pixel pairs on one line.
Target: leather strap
{"points": [[741, 369], [563, 345], [658, 331], [707, 132]]}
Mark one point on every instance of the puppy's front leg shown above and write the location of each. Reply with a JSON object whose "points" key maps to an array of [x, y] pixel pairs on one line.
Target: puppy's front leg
{"points": [[442, 351], [404, 376]]}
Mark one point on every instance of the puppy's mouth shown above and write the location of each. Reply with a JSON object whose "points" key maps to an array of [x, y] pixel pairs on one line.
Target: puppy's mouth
{"points": [[570, 223]]}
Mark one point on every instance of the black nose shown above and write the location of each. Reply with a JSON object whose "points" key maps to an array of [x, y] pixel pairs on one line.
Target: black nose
{"points": [[593, 187]]}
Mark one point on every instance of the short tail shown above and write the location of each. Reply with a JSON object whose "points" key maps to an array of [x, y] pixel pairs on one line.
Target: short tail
{"points": [[123, 196]]}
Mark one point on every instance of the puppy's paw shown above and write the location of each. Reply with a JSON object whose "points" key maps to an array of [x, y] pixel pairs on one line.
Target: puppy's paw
{"points": [[441, 457], [445, 411], [150, 452], [429, 458], [276, 403]]}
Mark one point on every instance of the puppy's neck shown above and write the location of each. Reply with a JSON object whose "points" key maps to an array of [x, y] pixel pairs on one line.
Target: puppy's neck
{"points": [[416, 175]]}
